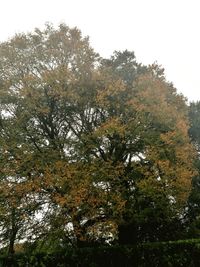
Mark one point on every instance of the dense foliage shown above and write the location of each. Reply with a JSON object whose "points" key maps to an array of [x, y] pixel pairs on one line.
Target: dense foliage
{"points": [[193, 205], [165, 254], [92, 150]]}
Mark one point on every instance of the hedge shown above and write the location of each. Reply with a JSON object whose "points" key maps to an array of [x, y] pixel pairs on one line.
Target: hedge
{"points": [[163, 254]]}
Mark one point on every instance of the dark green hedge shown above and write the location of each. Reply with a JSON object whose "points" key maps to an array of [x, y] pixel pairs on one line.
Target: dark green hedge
{"points": [[177, 253]]}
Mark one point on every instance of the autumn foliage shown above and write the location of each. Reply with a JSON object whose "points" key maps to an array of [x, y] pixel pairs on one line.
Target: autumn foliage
{"points": [[92, 150]]}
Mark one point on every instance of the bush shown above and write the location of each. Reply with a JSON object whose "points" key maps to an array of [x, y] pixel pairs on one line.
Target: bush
{"points": [[163, 254]]}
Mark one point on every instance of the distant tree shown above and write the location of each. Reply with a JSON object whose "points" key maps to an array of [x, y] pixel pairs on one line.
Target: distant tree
{"points": [[193, 208], [194, 116]]}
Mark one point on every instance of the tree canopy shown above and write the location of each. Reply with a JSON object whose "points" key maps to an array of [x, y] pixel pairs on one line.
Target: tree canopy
{"points": [[92, 149]]}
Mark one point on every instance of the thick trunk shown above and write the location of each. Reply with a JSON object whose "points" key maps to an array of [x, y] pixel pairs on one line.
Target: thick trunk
{"points": [[10, 262], [13, 234], [127, 234], [11, 249]]}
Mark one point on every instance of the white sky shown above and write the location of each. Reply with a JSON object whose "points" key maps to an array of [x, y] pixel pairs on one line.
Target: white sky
{"points": [[166, 31]]}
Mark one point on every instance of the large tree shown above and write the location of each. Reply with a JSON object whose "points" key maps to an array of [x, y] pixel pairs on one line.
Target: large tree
{"points": [[101, 146]]}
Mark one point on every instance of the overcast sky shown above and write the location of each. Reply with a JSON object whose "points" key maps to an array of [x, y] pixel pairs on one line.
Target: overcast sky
{"points": [[166, 31]]}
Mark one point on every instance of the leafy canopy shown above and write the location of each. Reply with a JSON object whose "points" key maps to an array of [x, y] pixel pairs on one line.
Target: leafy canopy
{"points": [[89, 146]]}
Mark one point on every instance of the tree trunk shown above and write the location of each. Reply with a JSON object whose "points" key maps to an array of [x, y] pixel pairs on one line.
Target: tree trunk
{"points": [[14, 229]]}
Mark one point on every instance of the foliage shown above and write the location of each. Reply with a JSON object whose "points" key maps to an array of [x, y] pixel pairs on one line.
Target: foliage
{"points": [[92, 150], [193, 220], [166, 254]]}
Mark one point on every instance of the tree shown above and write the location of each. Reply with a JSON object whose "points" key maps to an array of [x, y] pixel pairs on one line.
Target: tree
{"points": [[156, 174], [101, 145], [193, 207], [37, 72]]}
